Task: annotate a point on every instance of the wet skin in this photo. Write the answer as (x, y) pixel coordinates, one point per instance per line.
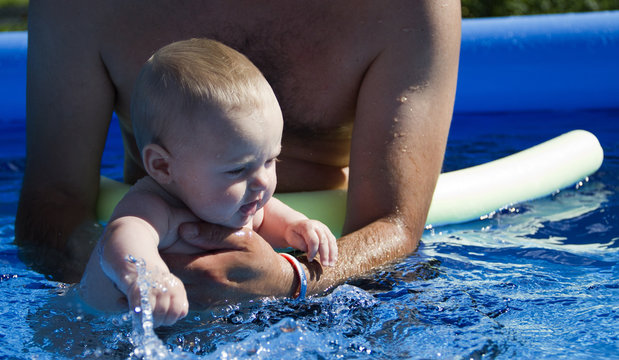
(366, 89)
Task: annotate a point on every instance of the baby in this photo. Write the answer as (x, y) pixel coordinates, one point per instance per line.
(209, 129)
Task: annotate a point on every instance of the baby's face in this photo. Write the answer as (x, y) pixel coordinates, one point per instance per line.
(225, 172)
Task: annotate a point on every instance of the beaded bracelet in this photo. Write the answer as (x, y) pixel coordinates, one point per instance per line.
(299, 270)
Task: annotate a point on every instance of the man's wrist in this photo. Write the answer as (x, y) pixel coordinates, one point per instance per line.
(300, 277)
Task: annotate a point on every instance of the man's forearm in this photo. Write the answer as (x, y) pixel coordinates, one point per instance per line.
(360, 252)
(241, 265)
(54, 239)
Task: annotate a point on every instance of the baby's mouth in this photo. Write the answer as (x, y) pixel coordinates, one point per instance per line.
(250, 208)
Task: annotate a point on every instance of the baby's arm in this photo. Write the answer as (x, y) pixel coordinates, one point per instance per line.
(138, 225)
(283, 226)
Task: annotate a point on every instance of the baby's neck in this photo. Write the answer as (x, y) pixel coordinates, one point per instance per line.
(149, 184)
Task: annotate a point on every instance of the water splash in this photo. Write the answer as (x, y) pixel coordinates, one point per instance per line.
(315, 328)
(147, 344)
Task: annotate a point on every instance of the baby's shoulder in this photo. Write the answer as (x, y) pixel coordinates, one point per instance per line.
(149, 195)
(143, 198)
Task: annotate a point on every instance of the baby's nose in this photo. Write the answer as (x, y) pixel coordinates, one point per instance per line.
(260, 180)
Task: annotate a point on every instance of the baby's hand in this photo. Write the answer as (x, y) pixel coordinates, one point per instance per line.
(313, 237)
(168, 299)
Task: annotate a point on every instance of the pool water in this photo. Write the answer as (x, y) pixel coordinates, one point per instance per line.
(537, 280)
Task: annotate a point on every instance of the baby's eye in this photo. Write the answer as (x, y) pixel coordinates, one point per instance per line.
(235, 172)
(272, 161)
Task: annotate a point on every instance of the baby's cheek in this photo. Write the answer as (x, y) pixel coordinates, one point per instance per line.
(235, 193)
(272, 185)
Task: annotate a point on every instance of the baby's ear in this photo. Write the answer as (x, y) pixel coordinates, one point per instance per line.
(157, 163)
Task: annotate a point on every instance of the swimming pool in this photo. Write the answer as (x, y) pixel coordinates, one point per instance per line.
(537, 280)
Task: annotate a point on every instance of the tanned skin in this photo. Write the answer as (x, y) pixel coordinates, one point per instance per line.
(366, 88)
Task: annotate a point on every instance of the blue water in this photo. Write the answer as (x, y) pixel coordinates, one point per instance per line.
(538, 280)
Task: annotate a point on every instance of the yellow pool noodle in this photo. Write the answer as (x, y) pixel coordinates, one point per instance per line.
(461, 195)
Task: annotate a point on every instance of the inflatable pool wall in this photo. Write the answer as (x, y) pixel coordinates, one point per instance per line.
(542, 62)
(520, 63)
(13, 50)
(548, 62)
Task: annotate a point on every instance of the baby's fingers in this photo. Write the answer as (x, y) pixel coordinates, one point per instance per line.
(303, 235)
(171, 302)
(313, 244)
(328, 248)
(170, 312)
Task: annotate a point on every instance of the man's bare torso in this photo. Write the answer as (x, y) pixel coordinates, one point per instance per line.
(315, 65)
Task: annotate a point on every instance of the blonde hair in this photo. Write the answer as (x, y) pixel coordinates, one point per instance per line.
(189, 76)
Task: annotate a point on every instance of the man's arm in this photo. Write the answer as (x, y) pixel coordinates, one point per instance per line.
(403, 114)
(69, 105)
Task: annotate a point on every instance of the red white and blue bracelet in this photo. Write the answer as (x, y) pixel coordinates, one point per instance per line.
(299, 270)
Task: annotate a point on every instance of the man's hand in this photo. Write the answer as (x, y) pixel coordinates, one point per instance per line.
(237, 265)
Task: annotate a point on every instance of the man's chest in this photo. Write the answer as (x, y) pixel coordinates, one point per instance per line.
(314, 66)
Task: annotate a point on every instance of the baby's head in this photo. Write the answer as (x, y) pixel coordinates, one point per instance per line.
(209, 128)
(192, 77)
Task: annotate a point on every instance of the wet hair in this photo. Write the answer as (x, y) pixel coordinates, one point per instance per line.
(189, 76)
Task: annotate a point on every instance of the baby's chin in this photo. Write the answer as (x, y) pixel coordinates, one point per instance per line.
(235, 221)
(238, 221)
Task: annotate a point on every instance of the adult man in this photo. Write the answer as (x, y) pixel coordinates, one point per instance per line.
(366, 89)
